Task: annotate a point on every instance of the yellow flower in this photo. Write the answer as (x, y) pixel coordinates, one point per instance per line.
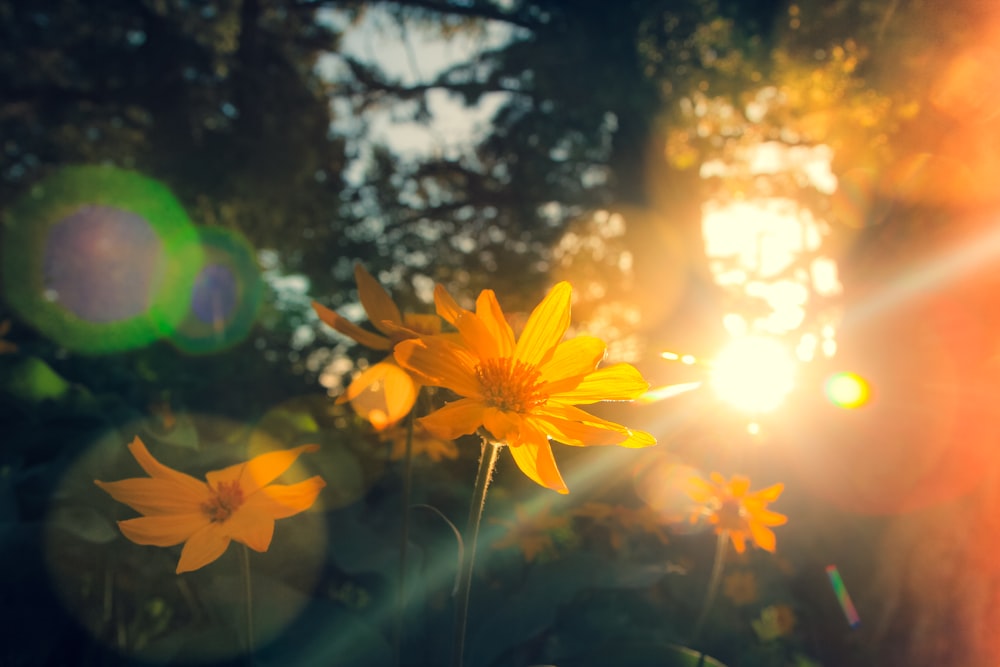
(524, 391)
(235, 503)
(740, 587)
(730, 507)
(774, 622)
(384, 393)
(531, 533)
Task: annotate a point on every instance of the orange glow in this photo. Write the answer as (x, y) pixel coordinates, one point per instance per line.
(753, 374)
(847, 390)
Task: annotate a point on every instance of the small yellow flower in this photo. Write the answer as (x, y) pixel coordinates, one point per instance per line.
(730, 507)
(531, 533)
(384, 393)
(235, 503)
(774, 622)
(740, 588)
(523, 391)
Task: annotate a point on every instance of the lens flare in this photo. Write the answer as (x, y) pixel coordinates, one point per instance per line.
(225, 297)
(753, 374)
(847, 390)
(99, 259)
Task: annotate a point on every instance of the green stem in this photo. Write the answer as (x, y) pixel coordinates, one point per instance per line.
(245, 570)
(487, 462)
(404, 538)
(713, 583)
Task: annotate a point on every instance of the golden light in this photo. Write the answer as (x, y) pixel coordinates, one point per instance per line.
(847, 390)
(753, 374)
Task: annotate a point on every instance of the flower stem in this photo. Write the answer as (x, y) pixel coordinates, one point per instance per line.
(487, 462)
(721, 543)
(404, 538)
(245, 570)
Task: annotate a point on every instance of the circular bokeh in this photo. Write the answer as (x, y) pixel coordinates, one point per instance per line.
(83, 545)
(99, 259)
(926, 430)
(225, 295)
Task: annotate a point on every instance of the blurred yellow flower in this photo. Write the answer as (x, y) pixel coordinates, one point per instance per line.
(730, 507)
(383, 393)
(523, 391)
(740, 588)
(235, 503)
(530, 532)
(774, 622)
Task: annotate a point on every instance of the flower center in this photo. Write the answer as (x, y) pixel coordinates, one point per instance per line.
(227, 499)
(510, 385)
(731, 515)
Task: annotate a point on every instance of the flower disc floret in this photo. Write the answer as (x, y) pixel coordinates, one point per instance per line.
(226, 499)
(510, 385)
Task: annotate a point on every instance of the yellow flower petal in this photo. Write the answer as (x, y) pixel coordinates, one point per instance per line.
(700, 490)
(536, 461)
(154, 496)
(590, 433)
(767, 517)
(769, 494)
(163, 531)
(251, 528)
(763, 536)
(638, 440)
(561, 411)
(503, 426)
(546, 326)
(477, 336)
(383, 394)
(461, 417)
(571, 361)
(376, 301)
(618, 382)
(280, 501)
(350, 329)
(445, 306)
(260, 470)
(739, 541)
(203, 547)
(421, 324)
(439, 363)
(738, 486)
(489, 313)
(154, 468)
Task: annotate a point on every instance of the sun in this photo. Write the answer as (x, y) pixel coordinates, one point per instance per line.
(753, 374)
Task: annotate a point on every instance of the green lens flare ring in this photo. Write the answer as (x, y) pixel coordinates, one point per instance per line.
(99, 259)
(225, 297)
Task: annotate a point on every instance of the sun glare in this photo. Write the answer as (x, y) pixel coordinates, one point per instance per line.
(753, 374)
(847, 390)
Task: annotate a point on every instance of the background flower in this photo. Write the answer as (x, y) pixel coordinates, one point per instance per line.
(235, 503)
(731, 508)
(383, 393)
